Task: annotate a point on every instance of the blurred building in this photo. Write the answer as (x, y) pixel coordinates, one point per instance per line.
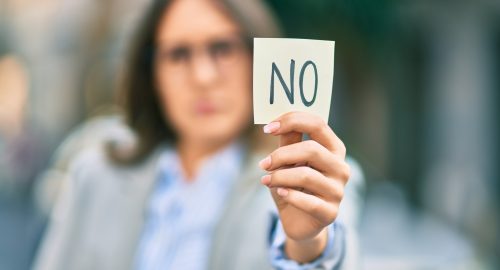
(59, 61)
(416, 98)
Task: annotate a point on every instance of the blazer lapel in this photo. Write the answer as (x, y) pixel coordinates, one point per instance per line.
(140, 182)
(226, 232)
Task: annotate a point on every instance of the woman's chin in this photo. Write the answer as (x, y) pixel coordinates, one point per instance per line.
(214, 129)
(212, 135)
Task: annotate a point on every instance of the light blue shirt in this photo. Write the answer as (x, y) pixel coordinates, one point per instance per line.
(182, 215)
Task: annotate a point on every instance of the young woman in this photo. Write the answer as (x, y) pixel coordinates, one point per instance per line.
(188, 189)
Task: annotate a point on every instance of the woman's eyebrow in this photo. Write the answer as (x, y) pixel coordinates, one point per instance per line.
(168, 45)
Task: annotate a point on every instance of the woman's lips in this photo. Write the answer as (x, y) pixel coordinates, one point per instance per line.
(205, 108)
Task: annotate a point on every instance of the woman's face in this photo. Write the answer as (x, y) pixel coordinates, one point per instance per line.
(203, 72)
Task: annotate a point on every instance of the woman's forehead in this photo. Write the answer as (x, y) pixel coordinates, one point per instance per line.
(194, 20)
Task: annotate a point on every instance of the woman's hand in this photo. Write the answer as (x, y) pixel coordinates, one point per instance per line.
(307, 180)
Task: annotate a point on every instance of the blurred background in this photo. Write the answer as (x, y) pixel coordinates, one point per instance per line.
(416, 99)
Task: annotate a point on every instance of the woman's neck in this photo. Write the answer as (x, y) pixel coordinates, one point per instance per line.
(192, 153)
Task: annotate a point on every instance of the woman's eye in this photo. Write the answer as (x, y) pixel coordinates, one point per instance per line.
(178, 55)
(221, 48)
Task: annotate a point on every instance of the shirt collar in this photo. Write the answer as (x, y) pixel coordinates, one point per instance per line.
(218, 167)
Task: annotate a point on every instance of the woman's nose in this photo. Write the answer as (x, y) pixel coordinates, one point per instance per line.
(204, 70)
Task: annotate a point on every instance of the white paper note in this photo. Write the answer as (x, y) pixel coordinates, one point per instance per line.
(276, 92)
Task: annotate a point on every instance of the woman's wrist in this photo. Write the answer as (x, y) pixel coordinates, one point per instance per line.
(305, 251)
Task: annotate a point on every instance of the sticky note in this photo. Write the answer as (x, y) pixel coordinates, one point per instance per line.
(291, 75)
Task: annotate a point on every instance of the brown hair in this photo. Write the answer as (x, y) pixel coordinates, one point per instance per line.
(138, 98)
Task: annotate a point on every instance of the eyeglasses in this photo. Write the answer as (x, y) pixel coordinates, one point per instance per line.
(223, 52)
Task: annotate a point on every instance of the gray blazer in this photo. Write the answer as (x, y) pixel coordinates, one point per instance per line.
(99, 216)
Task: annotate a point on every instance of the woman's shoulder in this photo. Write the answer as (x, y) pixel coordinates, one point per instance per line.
(95, 133)
(82, 157)
(86, 147)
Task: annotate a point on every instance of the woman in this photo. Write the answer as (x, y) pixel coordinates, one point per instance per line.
(185, 190)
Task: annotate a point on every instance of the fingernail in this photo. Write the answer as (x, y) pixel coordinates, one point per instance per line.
(265, 163)
(271, 127)
(266, 179)
(282, 191)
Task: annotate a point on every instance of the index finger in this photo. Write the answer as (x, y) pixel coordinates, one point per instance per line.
(313, 125)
